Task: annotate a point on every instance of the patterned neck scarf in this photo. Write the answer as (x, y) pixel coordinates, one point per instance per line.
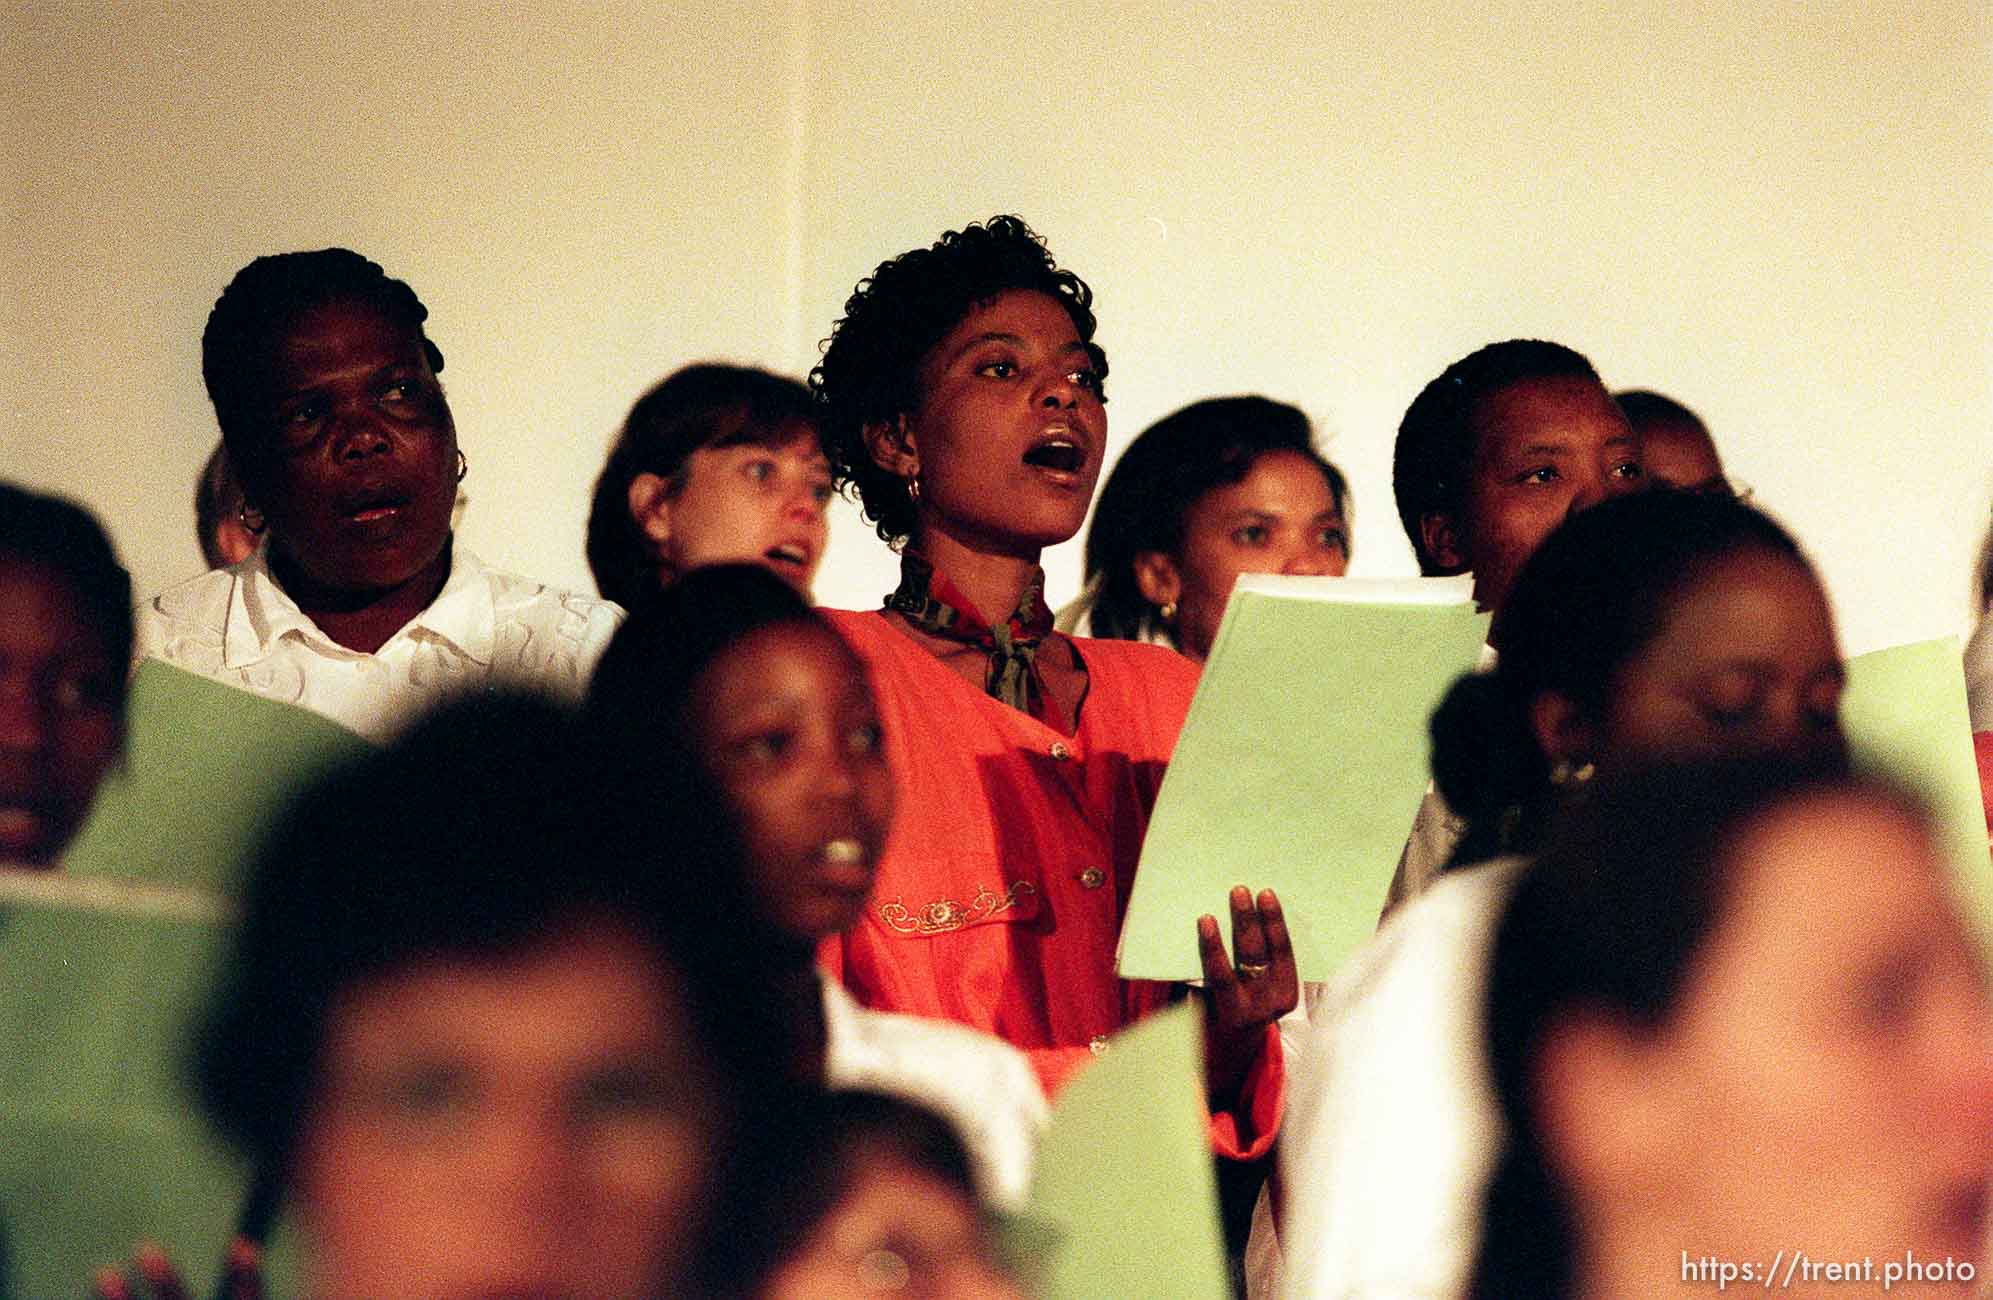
(937, 606)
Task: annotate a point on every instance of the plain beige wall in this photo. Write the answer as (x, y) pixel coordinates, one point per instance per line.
(1778, 213)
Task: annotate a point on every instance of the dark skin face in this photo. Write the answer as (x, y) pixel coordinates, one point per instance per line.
(1544, 449)
(360, 475)
(61, 712)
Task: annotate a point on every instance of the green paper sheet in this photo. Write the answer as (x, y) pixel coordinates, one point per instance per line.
(100, 1142)
(206, 765)
(1124, 1189)
(1905, 715)
(1301, 764)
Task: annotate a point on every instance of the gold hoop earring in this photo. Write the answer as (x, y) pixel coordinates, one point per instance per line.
(252, 519)
(463, 465)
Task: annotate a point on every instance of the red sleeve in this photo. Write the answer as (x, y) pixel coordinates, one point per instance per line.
(1247, 1131)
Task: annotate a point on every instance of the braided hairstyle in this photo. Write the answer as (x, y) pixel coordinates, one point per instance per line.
(263, 301)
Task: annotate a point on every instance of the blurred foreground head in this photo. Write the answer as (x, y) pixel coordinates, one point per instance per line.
(480, 1018)
(1735, 1011)
(65, 646)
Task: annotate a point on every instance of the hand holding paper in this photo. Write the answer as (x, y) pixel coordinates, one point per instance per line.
(1246, 993)
(1301, 764)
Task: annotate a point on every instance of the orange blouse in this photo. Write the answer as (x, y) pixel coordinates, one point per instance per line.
(1000, 894)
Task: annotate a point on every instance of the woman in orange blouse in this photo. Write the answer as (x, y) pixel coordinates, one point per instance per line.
(962, 398)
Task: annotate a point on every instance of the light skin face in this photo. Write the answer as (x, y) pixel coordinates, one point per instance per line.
(1544, 449)
(60, 719)
(750, 503)
(1826, 1081)
(898, 1230)
(1745, 662)
(361, 477)
(1009, 433)
(785, 722)
(536, 1123)
(1280, 518)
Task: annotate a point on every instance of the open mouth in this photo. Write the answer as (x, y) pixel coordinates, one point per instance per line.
(788, 555)
(1059, 453)
(373, 505)
(845, 864)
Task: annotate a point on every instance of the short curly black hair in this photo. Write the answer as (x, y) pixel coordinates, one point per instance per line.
(1435, 445)
(263, 300)
(1163, 473)
(870, 370)
(700, 406)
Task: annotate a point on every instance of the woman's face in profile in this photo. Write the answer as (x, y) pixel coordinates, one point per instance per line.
(359, 477)
(537, 1123)
(1828, 1070)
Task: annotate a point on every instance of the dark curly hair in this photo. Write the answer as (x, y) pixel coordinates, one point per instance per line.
(1435, 446)
(263, 300)
(870, 371)
(697, 407)
(1597, 590)
(1163, 473)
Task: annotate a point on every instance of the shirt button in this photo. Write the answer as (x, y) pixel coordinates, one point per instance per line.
(1097, 1044)
(1061, 750)
(1093, 877)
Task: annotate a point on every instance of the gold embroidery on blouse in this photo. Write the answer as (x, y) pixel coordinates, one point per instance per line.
(946, 914)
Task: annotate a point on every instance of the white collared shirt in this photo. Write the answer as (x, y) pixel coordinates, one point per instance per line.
(982, 1085)
(485, 629)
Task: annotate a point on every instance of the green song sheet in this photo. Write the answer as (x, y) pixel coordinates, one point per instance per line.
(1302, 763)
(1905, 715)
(205, 767)
(1125, 1201)
(100, 1142)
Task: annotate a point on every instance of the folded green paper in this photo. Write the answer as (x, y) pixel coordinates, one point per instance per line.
(1905, 715)
(1125, 1202)
(1301, 764)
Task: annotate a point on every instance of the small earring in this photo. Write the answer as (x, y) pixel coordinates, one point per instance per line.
(1167, 611)
(251, 518)
(913, 489)
(463, 465)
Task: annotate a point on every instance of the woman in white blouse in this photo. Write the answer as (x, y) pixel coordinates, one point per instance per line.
(357, 605)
